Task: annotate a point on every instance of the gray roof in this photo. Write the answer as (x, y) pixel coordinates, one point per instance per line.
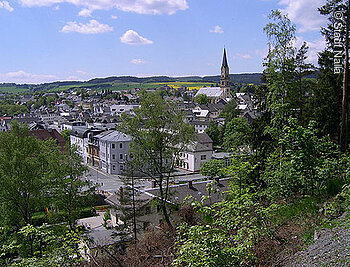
(80, 131)
(211, 91)
(116, 136)
(197, 147)
(203, 138)
(199, 122)
(198, 189)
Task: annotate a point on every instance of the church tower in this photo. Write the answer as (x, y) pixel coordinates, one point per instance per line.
(225, 76)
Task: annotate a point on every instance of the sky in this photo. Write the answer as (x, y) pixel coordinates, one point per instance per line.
(50, 40)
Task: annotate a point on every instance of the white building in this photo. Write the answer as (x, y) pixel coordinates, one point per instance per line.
(197, 153)
(114, 149)
(79, 139)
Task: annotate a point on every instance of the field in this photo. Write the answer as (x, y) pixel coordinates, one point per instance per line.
(114, 86)
(12, 89)
(117, 86)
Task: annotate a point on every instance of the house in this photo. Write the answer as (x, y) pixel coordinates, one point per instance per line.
(44, 135)
(93, 157)
(200, 126)
(122, 108)
(197, 153)
(148, 211)
(79, 139)
(114, 149)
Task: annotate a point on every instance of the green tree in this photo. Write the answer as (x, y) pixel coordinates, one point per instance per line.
(215, 132)
(237, 135)
(202, 99)
(159, 134)
(212, 168)
(337, 37)
(25, 173)
(70, 192)
(230, 111)
(280, 69)
(302, 163)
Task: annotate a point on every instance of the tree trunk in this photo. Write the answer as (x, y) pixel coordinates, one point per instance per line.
(344, 122)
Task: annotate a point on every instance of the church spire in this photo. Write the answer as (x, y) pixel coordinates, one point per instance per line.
(224, 60)
(225, 77)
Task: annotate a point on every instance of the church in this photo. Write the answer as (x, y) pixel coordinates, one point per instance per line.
(216, 94)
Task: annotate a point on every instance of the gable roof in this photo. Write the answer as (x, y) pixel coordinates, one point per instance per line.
(211, 92)
(116, 136)
(198, 189)
(49, 134)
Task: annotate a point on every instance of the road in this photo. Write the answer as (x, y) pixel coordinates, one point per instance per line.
(110, 183)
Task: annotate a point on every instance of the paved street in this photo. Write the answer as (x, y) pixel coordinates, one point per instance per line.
(110, 183)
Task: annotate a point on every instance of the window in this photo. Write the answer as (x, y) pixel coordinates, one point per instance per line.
(203, 157)
(113, 146)
(113, 156)
(121, 145)
(120, 156)
(113, 167)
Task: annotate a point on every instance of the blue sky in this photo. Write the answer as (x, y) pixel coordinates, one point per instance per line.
(48, 40)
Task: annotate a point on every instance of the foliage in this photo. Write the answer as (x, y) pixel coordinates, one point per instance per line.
(66, 135)
(237, 135)
(25, 174)
(215, 132)
(212, 168)
(202, 99)
(159, 134)
(302, 163)
(230, 111)
(43, 246)
(11, 109)
(71, 193)
(228, 234)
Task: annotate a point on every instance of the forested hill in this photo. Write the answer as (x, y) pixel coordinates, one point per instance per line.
(253, 78)
(126, 82)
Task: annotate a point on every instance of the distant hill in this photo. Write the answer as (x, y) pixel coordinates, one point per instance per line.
(254, 78)
(126, 82)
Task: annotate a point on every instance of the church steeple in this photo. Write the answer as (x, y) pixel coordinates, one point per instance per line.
(225, 76)
(224, 60)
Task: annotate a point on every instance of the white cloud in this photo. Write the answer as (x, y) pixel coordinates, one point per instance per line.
(133, 38)
(25, 77)
(114, 17)
(155, 7)
(262, 52)
(314, 48)
(56, 8)
(92, 27)
(216, 29)
(244, 56)
(6, 5)
(304, 13)
(85, 13)
(138, 61)
(81, 72)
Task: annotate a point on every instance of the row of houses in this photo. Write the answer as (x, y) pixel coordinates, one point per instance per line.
(109, 150)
